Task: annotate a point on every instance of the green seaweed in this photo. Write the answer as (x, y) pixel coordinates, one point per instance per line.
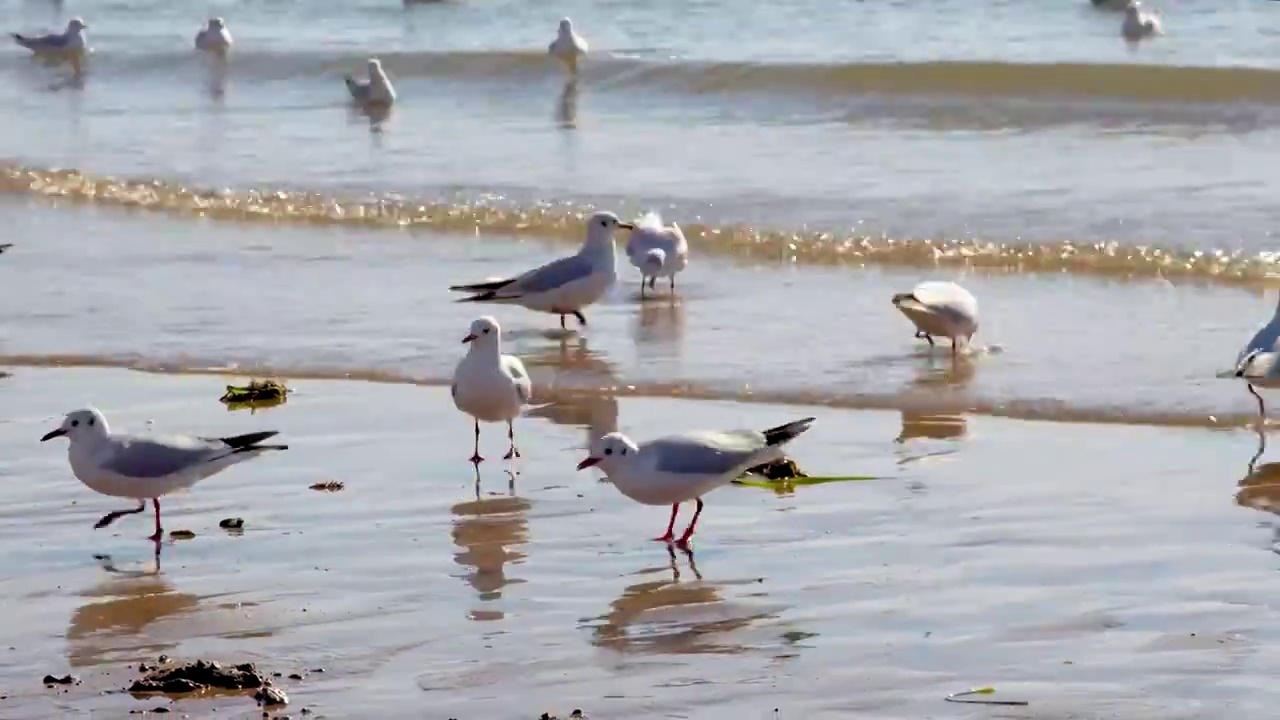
(785, 476)
(257, 394)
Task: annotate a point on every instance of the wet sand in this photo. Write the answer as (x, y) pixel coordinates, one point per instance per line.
(1094, 571)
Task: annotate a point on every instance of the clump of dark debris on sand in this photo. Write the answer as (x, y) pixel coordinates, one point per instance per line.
(198, 675)
(64, 680)
(575, 715)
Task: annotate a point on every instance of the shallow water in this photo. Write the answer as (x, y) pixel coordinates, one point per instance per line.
(344, 302)
(857, 121)
(974, 560)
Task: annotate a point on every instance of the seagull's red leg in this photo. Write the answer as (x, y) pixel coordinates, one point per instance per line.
(668, 536)
(159, 532)
(688, 533)
(475, 457)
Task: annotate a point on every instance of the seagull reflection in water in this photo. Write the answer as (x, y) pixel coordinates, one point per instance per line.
(489, 530)
(674, 616)
(567, 106)
(114, 620)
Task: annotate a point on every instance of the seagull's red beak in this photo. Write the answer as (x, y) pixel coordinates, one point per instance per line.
(588, 463)
(469, 338)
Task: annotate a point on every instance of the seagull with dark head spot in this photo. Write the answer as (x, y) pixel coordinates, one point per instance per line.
(147, 467)
(565, 286)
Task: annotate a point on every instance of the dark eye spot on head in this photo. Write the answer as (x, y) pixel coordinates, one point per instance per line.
(74, 423)
(608, 451)
(623, 451)
(486, 331)
(90, 422)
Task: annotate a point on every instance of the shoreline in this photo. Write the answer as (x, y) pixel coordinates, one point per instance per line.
(1025, 411)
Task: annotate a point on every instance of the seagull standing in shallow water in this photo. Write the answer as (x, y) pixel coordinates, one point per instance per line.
(488, 385)
(657, 250)
(565, 286)
(214, 38)
(377, 90)
(1138, 24)
(1257, 363)
(940, 308)
(70, 44)
(679, 468)
(147, 467)
(568, 46)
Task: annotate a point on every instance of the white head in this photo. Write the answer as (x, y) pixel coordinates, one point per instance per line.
(484, 333)
(1133, 8)
(375, 66)
(566, 26)
(80, 425)
(600, 227)
(609, 452)
(216, 23)
(75, 24)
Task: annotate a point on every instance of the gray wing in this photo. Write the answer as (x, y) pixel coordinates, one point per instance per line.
(548, 277)
(158, 457)
(706, 453)
(515, 368)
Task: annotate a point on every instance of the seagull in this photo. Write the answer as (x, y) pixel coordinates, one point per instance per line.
(488, 385)
(1257, 362)
(214, 38)
(70, 43)
(1138, 24)
(940, 308)
(147, 467)
(656, 250)
(678, 468)
(377, 90)
(565, 286)
(568, 46)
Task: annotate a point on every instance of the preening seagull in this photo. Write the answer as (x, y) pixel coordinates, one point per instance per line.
(657, 250)
(941, 308)
(1138, 23)
(377, 90)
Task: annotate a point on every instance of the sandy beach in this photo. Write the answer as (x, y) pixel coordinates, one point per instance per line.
(1088, 570)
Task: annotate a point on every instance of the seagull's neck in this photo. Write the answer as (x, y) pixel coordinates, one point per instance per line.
(599, 247)
(487, 351)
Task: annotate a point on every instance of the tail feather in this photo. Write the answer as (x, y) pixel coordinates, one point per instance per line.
(486, 286)
(249, 440)
(785, 433)
(21, 40)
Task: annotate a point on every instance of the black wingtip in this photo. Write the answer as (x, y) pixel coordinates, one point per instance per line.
(785, 433)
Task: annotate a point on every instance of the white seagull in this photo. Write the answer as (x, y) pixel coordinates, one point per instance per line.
(70, 44)
(1257, 363)
(146, 467)
(940, 308)
(488, 385)
(565, 286)
(214, 38)
(1137, 23)
(377, 90)
(678, 468)
(568, 46)
(657, 250)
